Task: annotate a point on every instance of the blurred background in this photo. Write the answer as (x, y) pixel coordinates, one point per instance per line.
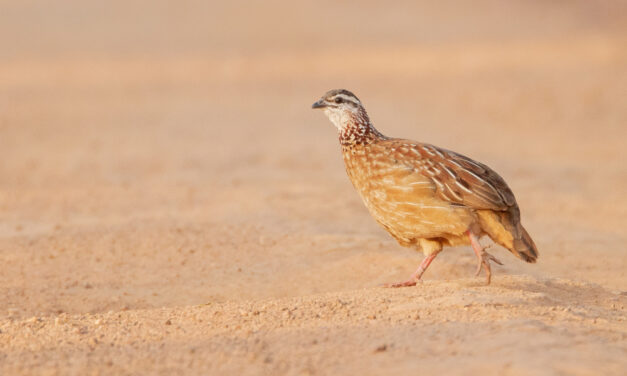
(158, 153)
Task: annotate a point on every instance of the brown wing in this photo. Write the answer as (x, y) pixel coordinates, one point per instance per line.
(458, 179)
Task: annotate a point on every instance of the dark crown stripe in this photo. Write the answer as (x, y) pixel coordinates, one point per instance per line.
(347, 95)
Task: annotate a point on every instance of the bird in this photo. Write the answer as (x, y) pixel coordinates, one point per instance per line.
(426, 197)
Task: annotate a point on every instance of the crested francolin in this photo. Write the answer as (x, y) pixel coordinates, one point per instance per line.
(424, 196)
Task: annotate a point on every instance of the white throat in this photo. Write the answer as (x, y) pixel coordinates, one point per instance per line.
(339, 117)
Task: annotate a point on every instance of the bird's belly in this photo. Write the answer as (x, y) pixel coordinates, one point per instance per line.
(407, 206)
(417, 217)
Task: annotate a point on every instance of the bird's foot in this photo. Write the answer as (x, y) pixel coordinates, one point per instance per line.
(484, 261)
(410, 282)
(414, 278)
(483, 257)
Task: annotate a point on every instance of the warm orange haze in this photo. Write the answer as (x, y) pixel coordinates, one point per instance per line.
(171, 204)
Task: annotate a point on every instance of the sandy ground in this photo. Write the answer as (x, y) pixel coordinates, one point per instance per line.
(170, 204)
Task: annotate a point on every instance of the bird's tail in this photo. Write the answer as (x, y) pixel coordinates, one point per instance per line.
(505, 229)
(525, 247)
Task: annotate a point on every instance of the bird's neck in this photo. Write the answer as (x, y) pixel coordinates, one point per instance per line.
(357, 129)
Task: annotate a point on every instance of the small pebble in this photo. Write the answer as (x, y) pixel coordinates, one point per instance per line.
(381, 348)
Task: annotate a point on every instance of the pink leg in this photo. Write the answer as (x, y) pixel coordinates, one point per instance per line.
(483, 256)
(417, 274)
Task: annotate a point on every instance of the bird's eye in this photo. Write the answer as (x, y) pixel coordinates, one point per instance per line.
(338, 100)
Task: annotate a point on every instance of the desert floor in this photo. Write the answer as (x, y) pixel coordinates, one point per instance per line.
(169, 203)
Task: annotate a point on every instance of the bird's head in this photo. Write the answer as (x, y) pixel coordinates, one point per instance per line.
(341, 106)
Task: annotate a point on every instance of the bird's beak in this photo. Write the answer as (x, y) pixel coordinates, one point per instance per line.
(319, 104)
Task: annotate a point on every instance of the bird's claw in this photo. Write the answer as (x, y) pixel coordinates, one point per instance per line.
(489, 257)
